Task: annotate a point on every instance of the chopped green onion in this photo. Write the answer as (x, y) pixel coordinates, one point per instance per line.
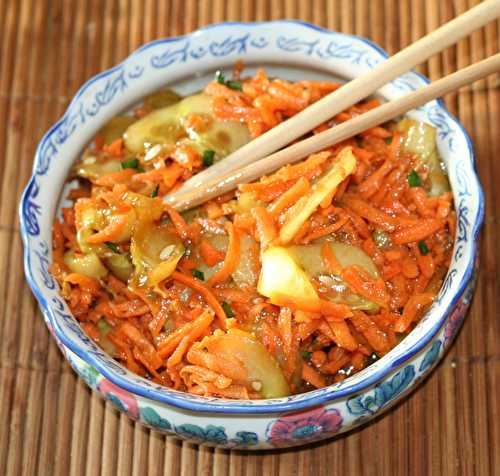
(112, 247)
(236, 85)
(423, 247)
(388, 140)
(154, 193)
(208, 157)
(414, 179)
(130, 164)
(219, 77)
(306, 355)
(141, 170)
(231, 84)
(198, 274)
(227, 309)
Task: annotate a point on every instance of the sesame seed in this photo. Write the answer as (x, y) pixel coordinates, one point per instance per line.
(257, 385)
(167, 252)
(153, 152)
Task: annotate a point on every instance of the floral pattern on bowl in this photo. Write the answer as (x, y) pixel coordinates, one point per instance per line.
(259, 424)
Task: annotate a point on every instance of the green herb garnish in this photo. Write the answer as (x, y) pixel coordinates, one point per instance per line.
(236, 85)
(154, 193)
(112, 247)
(227, 309)
(306, 355)
(198, 274)
(219, 77)
(130, 164)
(423, 247)
(414, 179)
(231, 84)
(208, 157)
(388, 140)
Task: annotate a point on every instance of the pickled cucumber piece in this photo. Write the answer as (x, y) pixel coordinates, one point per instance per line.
(263, 370)
(167, 126)
(155, 252)
(87, 264)
(420, 139)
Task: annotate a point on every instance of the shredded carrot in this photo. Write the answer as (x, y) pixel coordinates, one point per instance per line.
(266, 228)
(169, 345)
(312, 376)
(115, 148)
(329, 257)
(86, 283)
(180, 224)
(418, 232)
(372, 214)
(210, 254)
(205, 292)
(152, 359)
(329, 309)
(110, 179)
(370, 186)
(289, 197)
(398, 241)
(337, 359)
(375, 336)
(342, 335)
(377, 132)
(111, 232)
(199, 327)
(364, 285)
(414, 304)
(426, 264)
(325, 230)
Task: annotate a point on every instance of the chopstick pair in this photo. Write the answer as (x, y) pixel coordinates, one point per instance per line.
(244, 164)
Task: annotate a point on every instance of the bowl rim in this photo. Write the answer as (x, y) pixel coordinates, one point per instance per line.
(218, 405)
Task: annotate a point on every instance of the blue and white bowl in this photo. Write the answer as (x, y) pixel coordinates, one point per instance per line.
(292, 50)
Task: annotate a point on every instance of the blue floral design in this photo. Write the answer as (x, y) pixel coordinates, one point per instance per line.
(112, 87)
(31, 209)
(209, 434)
(294, 45)
(369, 403)
(229, 45)
(430, 357)
(116, 402)
(336, 50)
(43, 257)
(440, 121)
(447, 283)
(89, 374)
(245, 439)
(152, 418)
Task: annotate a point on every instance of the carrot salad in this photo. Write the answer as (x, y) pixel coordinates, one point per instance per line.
(288, 284)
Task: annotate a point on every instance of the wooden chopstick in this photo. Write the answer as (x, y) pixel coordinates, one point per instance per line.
(183, 200)
(351, 93)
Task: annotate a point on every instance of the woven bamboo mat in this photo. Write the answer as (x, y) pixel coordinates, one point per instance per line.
(52, 424)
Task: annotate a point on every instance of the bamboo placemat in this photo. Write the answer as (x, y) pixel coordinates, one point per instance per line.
(50, 423)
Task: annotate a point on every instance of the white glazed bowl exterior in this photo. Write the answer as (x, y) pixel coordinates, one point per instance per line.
(263, 424)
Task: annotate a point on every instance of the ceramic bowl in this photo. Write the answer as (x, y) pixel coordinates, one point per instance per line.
(292, 50)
